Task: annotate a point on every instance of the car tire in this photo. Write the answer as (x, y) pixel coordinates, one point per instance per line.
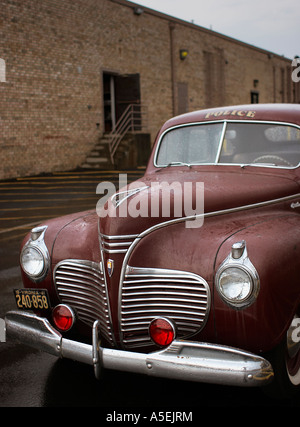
(285, 360)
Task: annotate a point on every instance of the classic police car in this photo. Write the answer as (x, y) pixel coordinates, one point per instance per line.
(192, 272)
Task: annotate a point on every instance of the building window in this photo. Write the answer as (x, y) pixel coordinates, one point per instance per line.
(254, 97)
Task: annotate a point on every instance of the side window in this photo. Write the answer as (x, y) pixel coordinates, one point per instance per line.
(283, 134)
(284, 142)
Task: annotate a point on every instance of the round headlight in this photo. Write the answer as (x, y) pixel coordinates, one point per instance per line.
(235, 284)
(33, 261)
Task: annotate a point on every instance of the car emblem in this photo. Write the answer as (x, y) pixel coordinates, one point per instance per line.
(110, 267)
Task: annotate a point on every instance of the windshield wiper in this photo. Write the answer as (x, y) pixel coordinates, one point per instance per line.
(177, 164)
(257, 164)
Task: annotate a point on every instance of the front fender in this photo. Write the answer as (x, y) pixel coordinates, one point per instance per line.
(70, 236)
(273, 247)
(78, 239)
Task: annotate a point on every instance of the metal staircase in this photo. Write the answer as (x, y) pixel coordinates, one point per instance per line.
(134, 120)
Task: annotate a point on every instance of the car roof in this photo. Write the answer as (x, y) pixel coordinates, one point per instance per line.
(286, 113)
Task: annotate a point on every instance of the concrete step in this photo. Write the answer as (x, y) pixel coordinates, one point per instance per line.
(98, 153)
(99, 156)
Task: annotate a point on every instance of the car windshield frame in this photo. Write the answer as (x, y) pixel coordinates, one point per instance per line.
(216, 162)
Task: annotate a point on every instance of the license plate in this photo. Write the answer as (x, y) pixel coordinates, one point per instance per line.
(30, 299)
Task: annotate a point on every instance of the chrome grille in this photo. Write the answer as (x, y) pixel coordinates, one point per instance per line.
(81, 285)
(116, 244)
(149, 293)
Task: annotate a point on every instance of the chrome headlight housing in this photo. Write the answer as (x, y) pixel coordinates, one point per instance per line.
(237, 280)
(34, 258)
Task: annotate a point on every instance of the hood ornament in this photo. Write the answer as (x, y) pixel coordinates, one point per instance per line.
(120, 197)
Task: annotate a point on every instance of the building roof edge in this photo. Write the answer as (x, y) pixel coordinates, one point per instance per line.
(173, 19)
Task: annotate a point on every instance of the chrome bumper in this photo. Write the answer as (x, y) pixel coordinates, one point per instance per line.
(183, 360)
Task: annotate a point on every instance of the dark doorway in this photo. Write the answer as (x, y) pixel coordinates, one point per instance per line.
(119, 91)
(254, 97)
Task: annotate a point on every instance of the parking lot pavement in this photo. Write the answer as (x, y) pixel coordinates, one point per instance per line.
(25, 202)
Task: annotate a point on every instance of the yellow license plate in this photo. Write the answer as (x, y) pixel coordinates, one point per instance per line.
(30, 299)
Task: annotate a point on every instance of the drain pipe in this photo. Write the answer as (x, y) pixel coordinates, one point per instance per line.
(173, 68)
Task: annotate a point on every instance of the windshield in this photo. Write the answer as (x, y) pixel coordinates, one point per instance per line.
(267, 144)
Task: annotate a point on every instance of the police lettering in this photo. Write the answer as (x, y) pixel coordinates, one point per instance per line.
(238, 113)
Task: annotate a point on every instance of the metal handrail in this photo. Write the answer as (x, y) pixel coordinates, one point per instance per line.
(134, 119)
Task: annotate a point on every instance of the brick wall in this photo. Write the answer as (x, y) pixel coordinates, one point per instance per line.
(51, 106)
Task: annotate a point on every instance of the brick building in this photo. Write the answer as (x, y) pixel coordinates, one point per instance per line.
(70, 68)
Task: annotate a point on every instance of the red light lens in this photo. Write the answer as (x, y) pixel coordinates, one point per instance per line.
(162, 332)
(63, 317)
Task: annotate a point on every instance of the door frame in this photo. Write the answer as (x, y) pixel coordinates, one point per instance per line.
(110, 98)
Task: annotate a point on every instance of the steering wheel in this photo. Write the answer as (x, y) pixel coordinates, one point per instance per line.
(272, 159)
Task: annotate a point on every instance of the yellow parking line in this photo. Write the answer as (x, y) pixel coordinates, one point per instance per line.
(33, 208)
(21, 217)
(104, 172)
(18, 236)
(47, 188)
(18, 227)
(58, 178)
(60, 183)
(47, 200)
(36, 193)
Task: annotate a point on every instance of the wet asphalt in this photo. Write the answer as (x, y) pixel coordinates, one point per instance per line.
(29, 378)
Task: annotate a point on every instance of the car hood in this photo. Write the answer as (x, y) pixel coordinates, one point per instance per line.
(173, 194)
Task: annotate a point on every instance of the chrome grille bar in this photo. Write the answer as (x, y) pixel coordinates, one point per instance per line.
(149, 293)
(116, 244)
(81, 284)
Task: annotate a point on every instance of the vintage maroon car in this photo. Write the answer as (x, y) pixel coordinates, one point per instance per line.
(192, 272)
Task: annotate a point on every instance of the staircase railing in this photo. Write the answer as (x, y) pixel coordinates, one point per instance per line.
(134, 119)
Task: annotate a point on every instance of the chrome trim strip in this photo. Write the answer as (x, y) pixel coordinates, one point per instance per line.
(114, 251)
(105, 281)
(217, 213)
(114, 245)
(266, 122)
(119, 237)
(137, 237)
(108, 244)
(183, 219)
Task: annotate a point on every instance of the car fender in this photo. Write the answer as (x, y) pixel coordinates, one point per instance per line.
(74, 235)
(273, 247)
